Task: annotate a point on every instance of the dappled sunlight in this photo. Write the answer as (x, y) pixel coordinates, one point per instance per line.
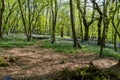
(105, 63)
(34, 60)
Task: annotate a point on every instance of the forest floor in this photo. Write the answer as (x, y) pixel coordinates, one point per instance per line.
(42, 63)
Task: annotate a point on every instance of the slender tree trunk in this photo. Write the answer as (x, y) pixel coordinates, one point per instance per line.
(86, 34)
(102, 41)
(68, 31)
(104, 27)
(62, 31)
(76, 44)
(1, 17)
(1, 25)
(23, 18)
(99, 30)
(29, 21)
(81, 29)
(54, 19)
(46, 23)
(115, 40)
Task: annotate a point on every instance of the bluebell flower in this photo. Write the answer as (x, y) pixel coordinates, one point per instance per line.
(8, 78)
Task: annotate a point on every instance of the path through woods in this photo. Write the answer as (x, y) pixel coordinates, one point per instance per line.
(42, 63)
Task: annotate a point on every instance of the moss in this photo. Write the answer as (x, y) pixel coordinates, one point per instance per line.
(63, 61)
(86, 73)
(12, 59)
(4, 64)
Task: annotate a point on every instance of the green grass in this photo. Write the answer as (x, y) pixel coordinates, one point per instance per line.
(15, 40)
(68, 48)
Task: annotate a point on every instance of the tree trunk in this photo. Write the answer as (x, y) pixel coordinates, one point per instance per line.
(54, 19)
(81, 29)
(105, 22)
(68, 31)
(62, 31)
(28, 37)
(0, 25)
(29, 21)
(86, 34)
(23, 18)
(115, 37)
(76, 44)
(1, 16)
(99, 30)
(102, 41)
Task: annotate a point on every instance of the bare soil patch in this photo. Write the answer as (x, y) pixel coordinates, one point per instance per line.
(41, 63)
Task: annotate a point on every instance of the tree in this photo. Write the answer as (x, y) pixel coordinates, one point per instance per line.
(85, 20)
(76, 44)
(28, 16)
(1, 16)
(105, 27)
(54, 10)
(96, 7)
(104, 17)
(11, 9)
(114, 12)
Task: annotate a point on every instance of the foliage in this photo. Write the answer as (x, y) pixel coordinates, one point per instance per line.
(86, 73)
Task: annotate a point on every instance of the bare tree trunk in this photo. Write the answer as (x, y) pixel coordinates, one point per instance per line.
(54, 19)
(29, 21)
(102, 41)
(1, 16)
(81, 29)
(46, 23)
(68, 31)
(62, 31)
(23, 18)
(86, 34)
(115, 41)
(76, 44)
(105, 22)
(99, 30)
(1, 24)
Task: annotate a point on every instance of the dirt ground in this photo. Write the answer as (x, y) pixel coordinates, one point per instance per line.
(41, 63)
